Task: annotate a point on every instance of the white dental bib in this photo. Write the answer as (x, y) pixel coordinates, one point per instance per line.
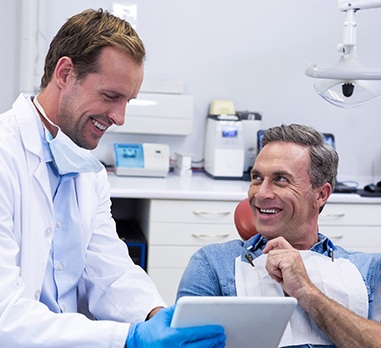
(339, 280)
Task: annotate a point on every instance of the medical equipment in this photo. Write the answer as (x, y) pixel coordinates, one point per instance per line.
(160, 108)
(348, 83)
(224, 145)
(251, 124)
(141, 159)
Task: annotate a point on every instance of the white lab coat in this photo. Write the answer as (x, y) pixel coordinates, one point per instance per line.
(118, 292)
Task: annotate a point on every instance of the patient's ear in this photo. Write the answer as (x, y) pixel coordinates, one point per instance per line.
(323, 194)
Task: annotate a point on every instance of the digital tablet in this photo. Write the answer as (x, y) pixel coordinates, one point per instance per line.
(249, 322)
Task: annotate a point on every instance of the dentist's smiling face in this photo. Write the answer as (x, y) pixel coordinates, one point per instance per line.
(89, 106)
(281, 195)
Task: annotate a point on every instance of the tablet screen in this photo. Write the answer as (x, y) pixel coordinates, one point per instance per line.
(249, 322)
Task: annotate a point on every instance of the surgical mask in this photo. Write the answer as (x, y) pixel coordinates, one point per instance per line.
(68, 157)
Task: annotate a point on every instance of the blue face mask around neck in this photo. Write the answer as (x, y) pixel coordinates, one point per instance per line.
(68, 157)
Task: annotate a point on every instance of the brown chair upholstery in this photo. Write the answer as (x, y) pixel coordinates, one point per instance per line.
(244, 220)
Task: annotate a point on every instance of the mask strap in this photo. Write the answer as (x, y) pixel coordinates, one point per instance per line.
(42, 111)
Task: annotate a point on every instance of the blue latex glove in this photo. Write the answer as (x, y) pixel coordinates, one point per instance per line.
(157, 333)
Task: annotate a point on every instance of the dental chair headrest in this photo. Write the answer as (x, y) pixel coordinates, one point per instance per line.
(244, 220)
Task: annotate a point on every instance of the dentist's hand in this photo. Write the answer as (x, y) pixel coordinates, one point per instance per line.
(157, 333)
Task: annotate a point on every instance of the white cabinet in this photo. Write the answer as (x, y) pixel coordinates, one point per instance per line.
(177, 229)
(355, 227)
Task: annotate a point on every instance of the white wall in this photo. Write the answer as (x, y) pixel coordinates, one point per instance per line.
(253, 52)
(9, 55)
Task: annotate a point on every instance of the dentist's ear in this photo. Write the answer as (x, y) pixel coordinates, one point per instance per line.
(63, 71)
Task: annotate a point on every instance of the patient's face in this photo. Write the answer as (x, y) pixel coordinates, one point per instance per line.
(281, 195)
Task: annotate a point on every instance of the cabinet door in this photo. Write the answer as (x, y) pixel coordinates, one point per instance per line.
(167, 281)
(355, 227)
(176, 233)
(355, 238)
(169, 256)
(350, 215)
(177, 229)
(192, 211)
(166, 265)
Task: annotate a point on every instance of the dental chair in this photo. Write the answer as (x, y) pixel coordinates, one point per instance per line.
(244, 220)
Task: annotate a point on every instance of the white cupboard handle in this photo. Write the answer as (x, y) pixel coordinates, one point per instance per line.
(336, 237)
(206, 213)
(338, 215)
(210, 236)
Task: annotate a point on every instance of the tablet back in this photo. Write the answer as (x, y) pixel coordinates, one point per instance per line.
(249, 322)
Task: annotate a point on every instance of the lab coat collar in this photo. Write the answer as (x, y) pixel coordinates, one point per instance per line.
(27, 119)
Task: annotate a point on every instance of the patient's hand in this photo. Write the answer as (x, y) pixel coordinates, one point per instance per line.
(277, 243)
(286, 266)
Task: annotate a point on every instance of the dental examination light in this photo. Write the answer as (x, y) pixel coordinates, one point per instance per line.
(348, 83)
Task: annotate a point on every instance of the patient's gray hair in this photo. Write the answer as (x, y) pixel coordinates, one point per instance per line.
(323, 157)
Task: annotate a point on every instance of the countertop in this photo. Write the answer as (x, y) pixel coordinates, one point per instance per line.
(200, 187)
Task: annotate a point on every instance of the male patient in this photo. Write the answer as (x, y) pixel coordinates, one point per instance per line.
(292, 179)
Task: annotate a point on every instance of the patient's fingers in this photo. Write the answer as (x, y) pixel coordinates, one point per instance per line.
(277, 243)
(286, 267)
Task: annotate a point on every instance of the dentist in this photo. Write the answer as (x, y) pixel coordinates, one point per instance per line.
(66, 278)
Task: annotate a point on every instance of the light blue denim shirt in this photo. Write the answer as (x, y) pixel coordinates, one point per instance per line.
(211, 270)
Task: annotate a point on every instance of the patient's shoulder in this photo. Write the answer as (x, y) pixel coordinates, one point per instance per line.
(226, 250)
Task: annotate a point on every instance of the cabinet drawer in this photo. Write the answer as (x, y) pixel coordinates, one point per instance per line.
(354, 238)
(192, 211)
(169, 256)
(191, 233)
(350, 214)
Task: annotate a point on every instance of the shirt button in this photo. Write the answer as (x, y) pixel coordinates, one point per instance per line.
(58, 224)
(48, 231)
(59, 267)
(37, 295)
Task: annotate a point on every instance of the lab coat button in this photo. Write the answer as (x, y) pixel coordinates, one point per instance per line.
(37, 295)
(48, 231)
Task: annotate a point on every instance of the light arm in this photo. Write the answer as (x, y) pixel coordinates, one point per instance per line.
(345, 5)
(348, 83)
